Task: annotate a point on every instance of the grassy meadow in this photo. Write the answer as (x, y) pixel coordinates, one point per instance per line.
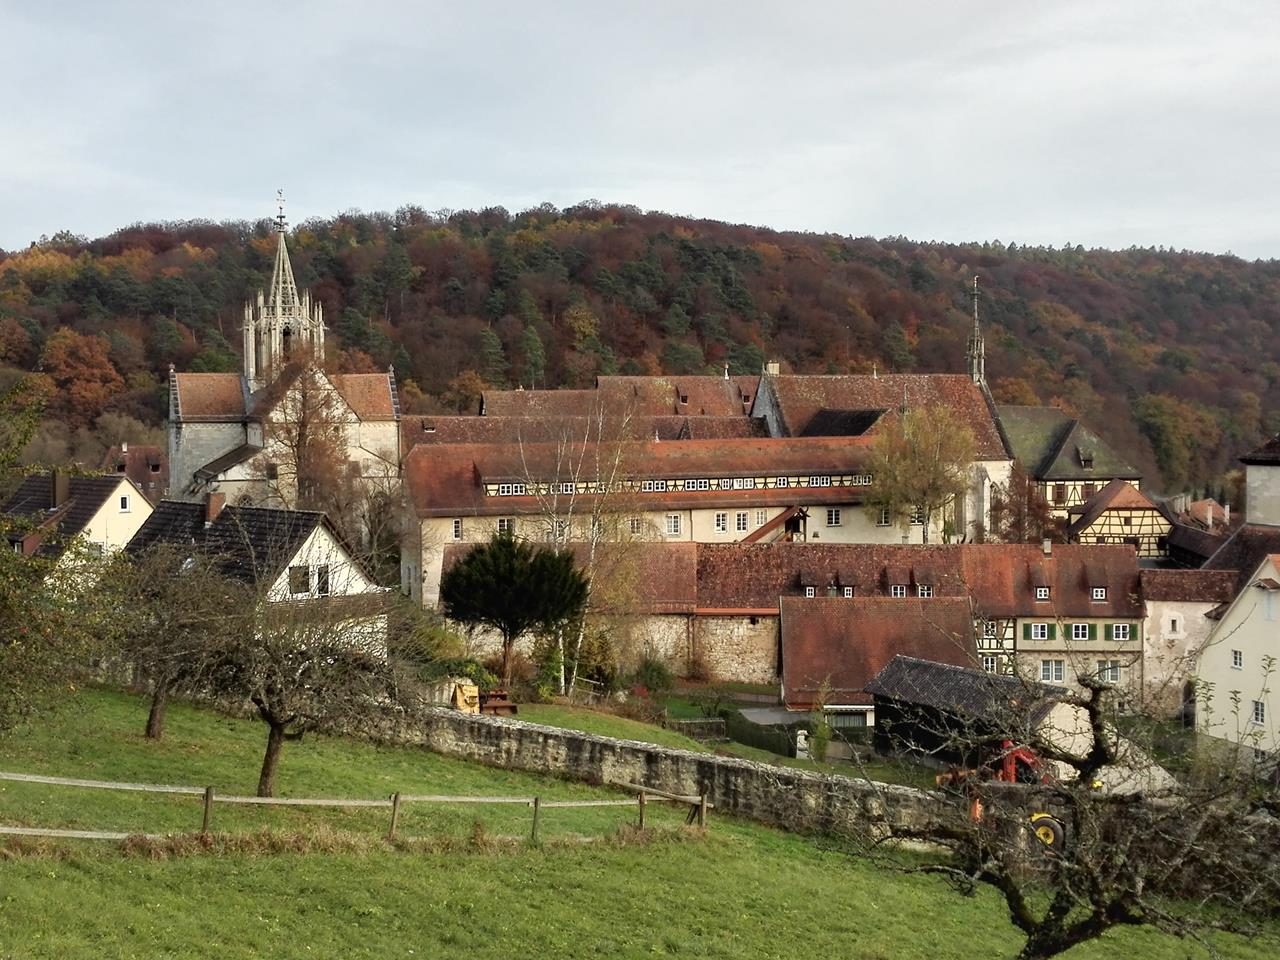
(738, 890)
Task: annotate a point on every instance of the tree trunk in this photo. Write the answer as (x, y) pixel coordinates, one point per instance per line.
(271, 760)
(159, 704)
(507, 644)
(924, 527)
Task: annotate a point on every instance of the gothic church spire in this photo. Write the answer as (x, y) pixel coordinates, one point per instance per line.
(976, 354)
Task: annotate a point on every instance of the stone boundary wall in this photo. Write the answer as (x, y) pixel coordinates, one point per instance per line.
(778, 796)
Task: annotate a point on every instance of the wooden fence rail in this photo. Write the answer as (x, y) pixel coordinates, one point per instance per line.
(698, 804)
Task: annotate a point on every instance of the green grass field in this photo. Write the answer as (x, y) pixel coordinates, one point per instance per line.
(737, 891)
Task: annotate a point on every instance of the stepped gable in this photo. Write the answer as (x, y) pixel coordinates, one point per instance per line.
(1188, 586)
(451, 483)
(961, 689)
(1245, 550)
(210, 396)
(834, 646)
(808, 404)
(1266, 455)
(59, 523)
(1053, 446)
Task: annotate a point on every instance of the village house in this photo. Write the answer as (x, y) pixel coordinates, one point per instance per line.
(147, 466)
(289, 556)
(51, 511)
(1121, 513)
(237, 433)
(1182, 607)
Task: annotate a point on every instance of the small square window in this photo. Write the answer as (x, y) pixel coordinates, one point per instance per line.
(809, 591)
(1052, 670)
(506, 526)
(1109, 671)
(1099, 593)
(1127, 521)
(924, 590)
(833, 516)
(457, 529)
(299, 579)
(989, 629)
(1042, 593)
(1237, 659)
(848, 592)
(1120, 631)
(740, 522)
(272, 471)
(898, 590)
(1039, 631)
(1259, 712)
(637, 525)
(722, 523)
(1079, 631)
(990, 663)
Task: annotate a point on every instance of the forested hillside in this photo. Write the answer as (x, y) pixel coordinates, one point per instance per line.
(1172, 356)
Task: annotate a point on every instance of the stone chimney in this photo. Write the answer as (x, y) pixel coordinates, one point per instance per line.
(124, 447)
(213, 504)
(1226, 514)
(59, 488)
(1047, 546)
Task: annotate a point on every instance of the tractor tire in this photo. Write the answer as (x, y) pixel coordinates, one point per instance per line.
(1049, 831)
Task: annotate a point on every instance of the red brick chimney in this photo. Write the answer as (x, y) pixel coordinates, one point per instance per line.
(213, 504)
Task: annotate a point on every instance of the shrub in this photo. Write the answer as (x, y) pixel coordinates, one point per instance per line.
(654, 676)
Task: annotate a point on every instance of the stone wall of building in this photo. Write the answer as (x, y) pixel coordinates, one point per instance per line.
(744, 649)
(778, 796)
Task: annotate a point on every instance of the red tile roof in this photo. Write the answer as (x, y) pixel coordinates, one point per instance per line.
(1001, 578)
(370, 395)
(1188, 586)
(638, 396)
(1116, 495)
(448, 480)
(147, 466)
(495, 429)
(836, 645)
(812, 400)
(210, 396)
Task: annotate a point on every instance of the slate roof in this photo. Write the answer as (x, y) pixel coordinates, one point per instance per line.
(215, 468)
(1266, 455)
(1050, 444)
(1188, 586)
(962, 690)
(57, 526)
(448, 481)
(253, 544)
(1244, 550)
(840, 644)
(1000, 578)
(807, 404)
(1192, 544)
(1116, 495)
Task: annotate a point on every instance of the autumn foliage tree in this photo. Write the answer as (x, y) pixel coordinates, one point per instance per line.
(83, 374)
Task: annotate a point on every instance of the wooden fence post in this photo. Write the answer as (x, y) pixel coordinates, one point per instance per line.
(208, 811)
(642, 802)
(537, 812)
(702, 810)
(395, 816)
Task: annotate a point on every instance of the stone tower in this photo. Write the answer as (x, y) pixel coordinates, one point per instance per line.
(976, 354)
(281, 325)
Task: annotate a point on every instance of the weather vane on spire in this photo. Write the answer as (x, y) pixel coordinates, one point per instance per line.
(280, 208)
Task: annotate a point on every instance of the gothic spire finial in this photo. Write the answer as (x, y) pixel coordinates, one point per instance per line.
(977, 351)
(280, 221)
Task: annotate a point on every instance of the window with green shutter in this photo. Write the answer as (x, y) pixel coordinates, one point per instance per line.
(1093, 631)
(1026, 631)
(1053, 631)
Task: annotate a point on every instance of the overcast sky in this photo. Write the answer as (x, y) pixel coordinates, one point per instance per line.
(1104, 123)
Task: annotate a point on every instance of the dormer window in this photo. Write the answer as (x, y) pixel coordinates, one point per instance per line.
(1098, 593)
(848, 592)
(898, 590)
(684, 398)
(1086, 457)
(924, 590)
(1042, 593)
(809, 592)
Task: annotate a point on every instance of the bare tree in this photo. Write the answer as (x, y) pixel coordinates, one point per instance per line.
(1019, 511)
(1071, 819)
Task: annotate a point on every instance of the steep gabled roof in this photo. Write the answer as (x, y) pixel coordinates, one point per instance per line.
(837, 645)
(210, 396)
(1116, 495)
(176, 522)
(1266, 455)
(959, 689)
(371, 396)
(147, 466)
(33, 501)
(1053, 446)
(1245, 550)
(853, 402)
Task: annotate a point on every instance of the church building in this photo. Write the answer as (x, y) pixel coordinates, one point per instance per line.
(242, 434)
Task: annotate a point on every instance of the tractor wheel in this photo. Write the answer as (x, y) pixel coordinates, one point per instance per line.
(1049, 831)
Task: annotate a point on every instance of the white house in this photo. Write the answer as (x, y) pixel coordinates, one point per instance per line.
(49, 511)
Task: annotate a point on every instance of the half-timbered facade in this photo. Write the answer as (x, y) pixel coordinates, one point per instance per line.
(1120, 513)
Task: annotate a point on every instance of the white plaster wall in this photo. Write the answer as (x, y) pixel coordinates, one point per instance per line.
(113, 527)
(1262, 494)
(1172, 633)
(346, 578)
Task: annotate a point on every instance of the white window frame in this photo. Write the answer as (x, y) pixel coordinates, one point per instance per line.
(1052, 671)
(820, 481)
(917, 517)
(1079, 631)
(833, 517)
(1099, 594)
(1237, 659)
(1259, 714)
(653, 486)
(762, 517)
(1042, 593)
(457, 528)
(741, 520)
(782, 482)
(884, 520)
(1120, 631)
(848, 592)
(637, 525)
(1039, 631)
(673, 525)
(989, 629)
(898, 591)
(722, 523)
(506, 525)
(810, 592)
(990, 663)
(1109, 671)
(924, 590)
(125, 503)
